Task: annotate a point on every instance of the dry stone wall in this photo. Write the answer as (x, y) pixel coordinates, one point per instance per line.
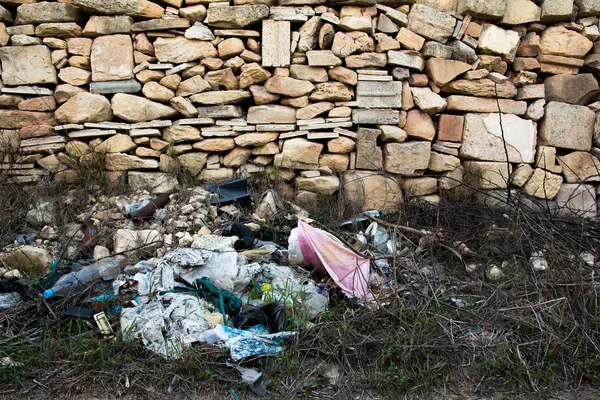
(350, 94)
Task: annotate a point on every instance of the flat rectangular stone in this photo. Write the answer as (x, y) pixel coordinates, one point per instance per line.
(194, 121)
(292, 18)
(485, 105)
(377, 72)
(454, 145)
(275, 127)
(375, 78)
(16, 166)
(112, 87)
(91, 133)
(379, 101)
(28, 90)
(339, 119)
(43, 140)
(108, 125)
(231, 122)
(68, 127)
(302, 122)
(277, 10)
(21, 30)
(444, 149)
(160, 24)
(215, 129)
(322, 135)
(236, 33)
(328, 125)
(160, 66)
(559, 60)
(248, 128)
(152, 124)
(179, 68)
(228, 111)
(52, 147)
(353, 103)
(289, 135)
(27, 172)
(375, 117)
(379, 88)
(346, 132)
(228, 133)
(276, 43)
(134, 133)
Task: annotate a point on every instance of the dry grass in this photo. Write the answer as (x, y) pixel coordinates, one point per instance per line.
(435, 328)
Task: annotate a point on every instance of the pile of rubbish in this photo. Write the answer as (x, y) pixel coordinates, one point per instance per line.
(231, 287)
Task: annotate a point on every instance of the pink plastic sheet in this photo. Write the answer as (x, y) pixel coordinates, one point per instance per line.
(349, 271)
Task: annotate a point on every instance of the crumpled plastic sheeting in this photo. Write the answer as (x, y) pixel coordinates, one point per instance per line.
(349, 271)
(181, 316)
(224, 268)
(256, 341)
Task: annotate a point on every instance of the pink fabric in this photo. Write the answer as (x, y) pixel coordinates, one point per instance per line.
(349, 271)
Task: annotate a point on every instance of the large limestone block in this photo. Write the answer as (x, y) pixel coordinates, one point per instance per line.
(133, 8)
(487, 175)
(572, 89)
(567, 126)
(428, 101)
(408, 158)
(485, 105)
(560, 41)
(193, 162)
(307, 73)
(181, 133)
(483, 138)
(276, 43)
(181, 50)
(299, 153)
(256, 139)
(443, 71)
(106, 25)
(125, 162)
(368, 154)
(520, 12)
(38, 13)
(84, 107)
(430, 23)
(271, 114)
(488, 10)
(588, 7)
(17, 119)
(309, 34)
(326, 185)
(288, 86)
(580, 166)
(221, 97)
(314, 110)
(154, 182)
(543, 184)
(331, 91)
(27, 65)
(499, 41)
(576, 199)
(556, 10)
(118, 143)
(138, 109)
(112, 58)
(236, 16)
(372, 191)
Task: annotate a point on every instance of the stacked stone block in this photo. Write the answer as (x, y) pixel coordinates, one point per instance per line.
(334, 94)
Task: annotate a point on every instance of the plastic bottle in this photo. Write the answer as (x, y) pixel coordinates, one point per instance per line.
(106, 269)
